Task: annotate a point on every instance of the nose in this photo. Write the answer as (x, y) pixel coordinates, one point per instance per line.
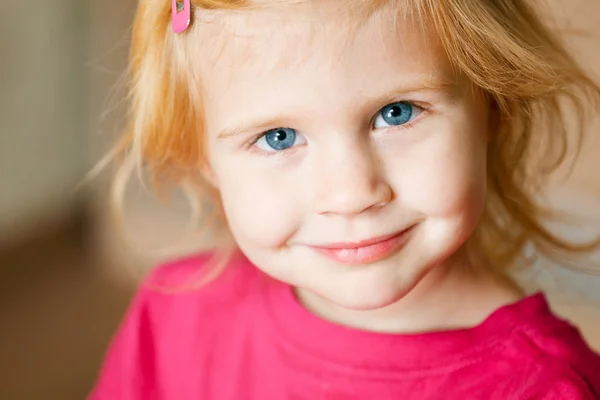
(350, 181)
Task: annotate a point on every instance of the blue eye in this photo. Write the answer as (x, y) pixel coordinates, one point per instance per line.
(395, 114)
(279, 139)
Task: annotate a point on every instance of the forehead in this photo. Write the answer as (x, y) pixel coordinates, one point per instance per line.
(312, 49)
(308, 31)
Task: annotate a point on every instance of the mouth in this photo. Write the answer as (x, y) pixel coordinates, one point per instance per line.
(365, 251)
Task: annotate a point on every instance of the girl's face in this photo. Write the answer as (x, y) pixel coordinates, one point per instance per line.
(327, 137)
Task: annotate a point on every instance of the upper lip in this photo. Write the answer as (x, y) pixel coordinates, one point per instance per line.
(361, 243)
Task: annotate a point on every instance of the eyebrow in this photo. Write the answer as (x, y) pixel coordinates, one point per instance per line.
(430, 84)
(260, 125)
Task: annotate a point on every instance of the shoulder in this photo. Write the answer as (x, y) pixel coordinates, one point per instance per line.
(557, 380)
(560, 363)
(194, 286)
(567, 386)
(174, 320)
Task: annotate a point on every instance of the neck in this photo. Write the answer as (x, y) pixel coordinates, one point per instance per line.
(452, 295)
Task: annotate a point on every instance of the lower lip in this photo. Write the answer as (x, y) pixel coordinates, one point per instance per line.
(366, 254)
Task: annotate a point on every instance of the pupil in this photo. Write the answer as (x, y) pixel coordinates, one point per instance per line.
(280, 135)
(395, 112)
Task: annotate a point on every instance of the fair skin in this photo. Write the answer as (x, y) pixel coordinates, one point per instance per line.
(345, 168)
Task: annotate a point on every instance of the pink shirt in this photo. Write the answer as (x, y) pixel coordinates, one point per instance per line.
(245, 337)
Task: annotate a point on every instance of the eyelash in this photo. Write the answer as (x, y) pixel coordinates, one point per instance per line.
(424, 108)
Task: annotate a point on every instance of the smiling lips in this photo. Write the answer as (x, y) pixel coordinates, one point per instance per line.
(366, 251)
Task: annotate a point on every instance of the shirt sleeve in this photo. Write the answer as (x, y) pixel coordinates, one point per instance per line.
(128, 371)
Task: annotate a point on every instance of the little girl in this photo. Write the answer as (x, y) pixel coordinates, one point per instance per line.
(378, 166)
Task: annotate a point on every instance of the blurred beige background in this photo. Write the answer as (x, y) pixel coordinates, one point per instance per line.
(65, 276)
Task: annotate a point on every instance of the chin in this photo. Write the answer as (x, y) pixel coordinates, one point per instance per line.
(369, 299)
(378, 289)
(369, 304)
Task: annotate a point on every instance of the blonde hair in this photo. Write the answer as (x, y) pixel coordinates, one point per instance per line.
(502, 46)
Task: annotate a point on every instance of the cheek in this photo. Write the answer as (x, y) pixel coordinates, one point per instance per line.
(261, 211)
(450, 180)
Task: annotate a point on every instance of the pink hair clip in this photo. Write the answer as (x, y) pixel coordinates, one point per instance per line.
(182, 12)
